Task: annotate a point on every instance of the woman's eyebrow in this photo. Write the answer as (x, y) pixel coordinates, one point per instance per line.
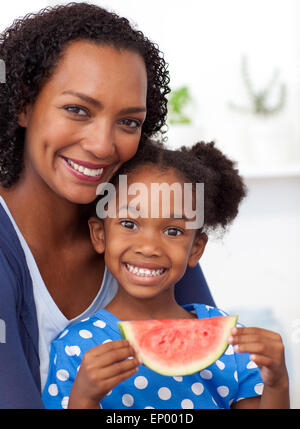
(96, 103)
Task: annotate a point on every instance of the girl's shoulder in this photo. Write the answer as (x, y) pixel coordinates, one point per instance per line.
(205, 311)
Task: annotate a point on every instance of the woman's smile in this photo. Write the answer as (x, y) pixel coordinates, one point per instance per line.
(85, 171)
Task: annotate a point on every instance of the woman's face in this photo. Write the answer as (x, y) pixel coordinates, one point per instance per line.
(86, 120)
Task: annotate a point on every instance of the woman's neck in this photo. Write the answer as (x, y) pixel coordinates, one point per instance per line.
(43, 216)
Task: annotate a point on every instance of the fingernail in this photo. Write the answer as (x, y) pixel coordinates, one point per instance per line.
(234, 330)
(230, 340)
(236, 348)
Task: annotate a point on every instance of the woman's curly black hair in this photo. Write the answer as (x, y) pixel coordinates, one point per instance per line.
(32, 47)
(224, 188)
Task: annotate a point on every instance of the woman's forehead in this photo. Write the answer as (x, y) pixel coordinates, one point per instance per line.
(101, 68)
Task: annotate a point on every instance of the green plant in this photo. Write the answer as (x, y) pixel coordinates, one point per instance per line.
(259, 99)
(178, 100)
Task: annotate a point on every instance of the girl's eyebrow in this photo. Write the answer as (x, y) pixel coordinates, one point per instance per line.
(96, 103)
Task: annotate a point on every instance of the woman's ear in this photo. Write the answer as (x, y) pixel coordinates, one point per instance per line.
(197, 250)
(23, 116)
(96, 226)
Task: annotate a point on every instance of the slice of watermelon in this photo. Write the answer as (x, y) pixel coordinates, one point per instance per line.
(177, 347)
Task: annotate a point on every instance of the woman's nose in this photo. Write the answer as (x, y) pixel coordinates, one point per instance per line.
(99, 141)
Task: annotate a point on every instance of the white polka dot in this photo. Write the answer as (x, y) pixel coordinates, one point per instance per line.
(99, 324)
(197, 388)
(229, 350)
(65, 402)
(206, 374)
(223, 391)
(236, 376)
(149, 408)
(164, 393)
(251, 365)
(141, 382)
(53, 390)
(84, 320)
(109, 393)
(64, 333)
(220, 364)
(72, 350)
(84, 333)
(54, 360)
(127, 400)
(107, 341)
(259, 387)
(178, 378)
(62, 374)
(187, 404)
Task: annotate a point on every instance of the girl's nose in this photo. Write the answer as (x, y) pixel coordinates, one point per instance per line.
(148, 247)
(99, 141)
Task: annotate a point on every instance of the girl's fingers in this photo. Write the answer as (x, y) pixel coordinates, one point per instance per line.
(107, 354)
(118, 369)
(262, 361)
(114, 381)
(239, 332)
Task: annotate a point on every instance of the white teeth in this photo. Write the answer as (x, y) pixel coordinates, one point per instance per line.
(84, 170)
(144, 272)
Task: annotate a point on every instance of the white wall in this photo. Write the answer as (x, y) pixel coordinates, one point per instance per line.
(254, 269)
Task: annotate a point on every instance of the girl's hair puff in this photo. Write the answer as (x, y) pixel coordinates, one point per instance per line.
(224, 188)
(31, 48)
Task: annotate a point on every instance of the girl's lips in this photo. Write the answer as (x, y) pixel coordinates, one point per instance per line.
(141, 274)
(81, 175)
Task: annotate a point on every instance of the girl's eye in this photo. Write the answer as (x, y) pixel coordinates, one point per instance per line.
(77, 110)
(131, 123)
(128, 224)
(174, 232)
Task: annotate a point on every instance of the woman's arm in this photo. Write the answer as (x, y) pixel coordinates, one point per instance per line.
(18, 388)
(192, 288)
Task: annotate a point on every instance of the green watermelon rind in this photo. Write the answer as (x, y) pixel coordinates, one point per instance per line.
(125, 331)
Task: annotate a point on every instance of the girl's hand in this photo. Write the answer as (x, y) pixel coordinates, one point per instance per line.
(266, 350)
(101, 369)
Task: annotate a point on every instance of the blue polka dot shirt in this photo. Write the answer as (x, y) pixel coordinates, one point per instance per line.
(231, 378)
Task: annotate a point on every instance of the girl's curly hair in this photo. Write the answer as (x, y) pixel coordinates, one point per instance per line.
(224, 188)
(31, 49)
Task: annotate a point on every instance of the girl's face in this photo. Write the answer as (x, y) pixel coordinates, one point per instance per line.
(147, 255)
(86, 120)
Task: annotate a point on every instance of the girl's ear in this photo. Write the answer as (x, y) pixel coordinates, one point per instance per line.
(96, 226)
(197, 249)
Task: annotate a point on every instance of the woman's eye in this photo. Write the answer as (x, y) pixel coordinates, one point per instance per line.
(77, 110)
(131, 123)
(128, 224)
(173, 232)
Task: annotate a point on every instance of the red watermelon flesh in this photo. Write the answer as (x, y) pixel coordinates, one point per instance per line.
(177, 347)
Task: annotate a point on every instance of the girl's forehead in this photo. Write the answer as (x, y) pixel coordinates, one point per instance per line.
(149, 173)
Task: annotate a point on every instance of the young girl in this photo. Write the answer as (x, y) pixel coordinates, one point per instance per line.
(148, 255)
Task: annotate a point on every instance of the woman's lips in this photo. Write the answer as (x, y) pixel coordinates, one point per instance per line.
(83, 170)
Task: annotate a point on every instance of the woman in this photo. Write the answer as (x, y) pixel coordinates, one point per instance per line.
(83, 89)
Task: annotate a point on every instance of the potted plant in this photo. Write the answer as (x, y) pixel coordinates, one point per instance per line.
(265, 129)
(181, 127)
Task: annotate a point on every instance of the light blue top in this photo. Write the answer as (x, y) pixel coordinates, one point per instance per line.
(231, 378)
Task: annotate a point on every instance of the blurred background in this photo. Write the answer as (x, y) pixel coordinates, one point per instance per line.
(235, 79)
